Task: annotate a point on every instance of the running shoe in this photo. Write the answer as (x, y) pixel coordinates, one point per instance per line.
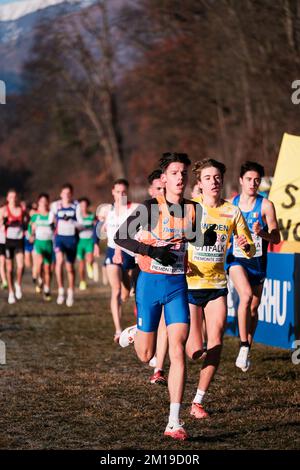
(61, 296)
(242, 361)
(90, 270)
(198, 411)
(82, 285)
(159, 378)
(70, 298)
(176, 431)
(127, 336)
(47, 296)
(18, 291)
(11, 298)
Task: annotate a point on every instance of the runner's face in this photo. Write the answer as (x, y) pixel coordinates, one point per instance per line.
(43, 204)
(157, 187)
(83, 207)
(12, 198)
(66, 195)
(250, 183)
(119, 193)
(175, 178)
(211, 182)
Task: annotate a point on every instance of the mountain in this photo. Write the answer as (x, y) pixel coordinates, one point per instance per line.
(17, 23)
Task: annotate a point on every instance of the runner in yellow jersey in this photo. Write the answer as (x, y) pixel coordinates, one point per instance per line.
(206, 276)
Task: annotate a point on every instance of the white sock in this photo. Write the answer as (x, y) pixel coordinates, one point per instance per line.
(199, 396)
(61, 291)
(46, 289)
(174, 412)
(156, 369)
(70, 292)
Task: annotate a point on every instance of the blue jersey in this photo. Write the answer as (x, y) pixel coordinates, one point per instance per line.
(67, 218)
(257, 264)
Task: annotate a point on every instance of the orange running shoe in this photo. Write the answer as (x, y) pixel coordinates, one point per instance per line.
(176, 431)
(198, 411)
(159, 378)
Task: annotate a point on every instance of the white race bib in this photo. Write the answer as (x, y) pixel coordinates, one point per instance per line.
(66, 228)
(238, 253)
(14, 233)
(177, 268)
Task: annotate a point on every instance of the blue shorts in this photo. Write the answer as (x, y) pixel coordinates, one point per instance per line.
(128, 261)
(201, 297)
(155, 291)
(28, 246)
(67, 245)
(255, 277)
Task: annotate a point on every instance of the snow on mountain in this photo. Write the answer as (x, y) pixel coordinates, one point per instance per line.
(16, 10)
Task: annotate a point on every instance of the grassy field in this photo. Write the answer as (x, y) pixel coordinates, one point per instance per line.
(66, 385)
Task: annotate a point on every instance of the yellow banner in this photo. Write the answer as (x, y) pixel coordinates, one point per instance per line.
(285, 192)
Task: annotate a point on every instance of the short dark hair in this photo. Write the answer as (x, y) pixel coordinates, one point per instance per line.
(168, 158)
(85, 199)
(252, 166)
(121, 181)
(155, 175)
(45, 195)
(207, 163)
(12, 190)
(67, 186)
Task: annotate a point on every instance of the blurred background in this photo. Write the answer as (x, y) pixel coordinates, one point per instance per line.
(97, 90)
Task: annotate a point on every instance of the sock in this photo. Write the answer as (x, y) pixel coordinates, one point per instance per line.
(46, 290)
(174, 412)
(70, 291)
(61, 291)
(245, 344)
(156, 369)
(199, 396)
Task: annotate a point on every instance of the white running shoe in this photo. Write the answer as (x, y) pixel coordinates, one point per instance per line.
(153, 362)
(176, 431)
(242, 360)
(11, 298)
(18, 291)
(61, 296)
(70, 298)
(127, 336)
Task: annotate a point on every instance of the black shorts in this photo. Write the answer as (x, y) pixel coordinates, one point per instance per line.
(201, 297)
(13, 247)
(2, 249)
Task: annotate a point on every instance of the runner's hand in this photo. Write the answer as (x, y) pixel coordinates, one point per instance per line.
(162, 255)
(210, 236)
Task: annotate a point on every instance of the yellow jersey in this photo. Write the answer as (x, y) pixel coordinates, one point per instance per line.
(206, 263)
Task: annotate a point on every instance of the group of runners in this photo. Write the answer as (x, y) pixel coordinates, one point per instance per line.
(46, 237)
(185, 251)
(173, 254)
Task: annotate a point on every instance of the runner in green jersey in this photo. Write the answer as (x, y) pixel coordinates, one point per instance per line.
(41, 231)
(85, 247)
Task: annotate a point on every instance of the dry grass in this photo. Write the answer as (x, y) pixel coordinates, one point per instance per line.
(67, 386)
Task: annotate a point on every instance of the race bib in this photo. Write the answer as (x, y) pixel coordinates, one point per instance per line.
(14, 233)
(44, 233)
(211, 254)
(86, 234)
(178, 267)
(257, 240)
(66, 228)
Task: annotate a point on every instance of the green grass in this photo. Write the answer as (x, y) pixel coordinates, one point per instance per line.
(66, 385)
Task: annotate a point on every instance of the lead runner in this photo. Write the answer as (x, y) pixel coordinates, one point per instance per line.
(164, 225)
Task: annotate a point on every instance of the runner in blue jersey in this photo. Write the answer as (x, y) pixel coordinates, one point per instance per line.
(248, 275)
(67, 217)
